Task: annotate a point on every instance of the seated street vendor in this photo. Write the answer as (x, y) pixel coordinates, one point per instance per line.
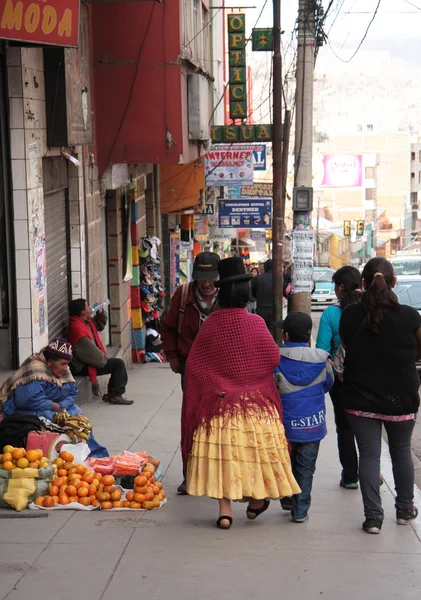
(43, 386)
(89, 355)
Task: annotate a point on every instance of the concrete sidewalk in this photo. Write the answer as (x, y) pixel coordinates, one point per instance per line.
(178, 552)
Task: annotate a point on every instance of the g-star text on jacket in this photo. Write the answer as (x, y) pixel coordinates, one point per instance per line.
(309, 422)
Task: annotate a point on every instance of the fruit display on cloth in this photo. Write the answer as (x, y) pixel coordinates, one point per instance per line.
(74, 484)
(24, 475)
(147, 493)
(79, 485)
(19, 458)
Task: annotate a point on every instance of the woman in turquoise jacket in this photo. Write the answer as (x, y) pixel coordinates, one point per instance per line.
(347, 282)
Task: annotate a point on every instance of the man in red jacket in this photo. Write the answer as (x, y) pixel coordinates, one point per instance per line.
(190, 305)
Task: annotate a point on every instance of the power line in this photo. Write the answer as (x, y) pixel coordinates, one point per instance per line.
(203, 28)
(412, 4)
(228, 82)
(363, 38)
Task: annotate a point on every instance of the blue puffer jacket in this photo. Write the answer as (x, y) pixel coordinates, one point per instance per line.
(303, 377)
(37, 397)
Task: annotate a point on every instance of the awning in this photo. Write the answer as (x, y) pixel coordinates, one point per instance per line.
(181, 186)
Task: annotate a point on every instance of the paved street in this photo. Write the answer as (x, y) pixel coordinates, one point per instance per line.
(178, 552)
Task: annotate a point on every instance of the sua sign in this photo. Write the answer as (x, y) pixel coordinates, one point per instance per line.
(54, 22)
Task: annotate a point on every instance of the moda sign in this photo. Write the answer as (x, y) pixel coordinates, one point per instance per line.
(51, 22)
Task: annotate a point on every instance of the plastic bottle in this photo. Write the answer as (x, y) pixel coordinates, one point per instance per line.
(98, 305)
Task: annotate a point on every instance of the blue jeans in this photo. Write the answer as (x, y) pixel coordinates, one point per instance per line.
(97, 451)
(303, 460)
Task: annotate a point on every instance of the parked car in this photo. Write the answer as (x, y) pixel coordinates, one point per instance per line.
(408, 291)
(406, 264)
(324, 292)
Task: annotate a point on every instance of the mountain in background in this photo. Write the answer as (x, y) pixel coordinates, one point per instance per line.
(379, 88)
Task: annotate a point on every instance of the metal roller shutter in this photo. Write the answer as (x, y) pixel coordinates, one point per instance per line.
(56, 250)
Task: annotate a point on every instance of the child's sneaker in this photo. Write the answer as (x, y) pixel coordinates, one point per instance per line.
(303, 520)
(405, 516)
(372, 525)
(286, 503)
(348, 486)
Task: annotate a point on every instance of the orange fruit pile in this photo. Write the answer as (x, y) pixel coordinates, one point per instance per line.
(74, 483)
(19, 458)
(148, 493)
(77, 483)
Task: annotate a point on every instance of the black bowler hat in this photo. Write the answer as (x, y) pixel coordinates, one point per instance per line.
(232, 270)
(205, 267)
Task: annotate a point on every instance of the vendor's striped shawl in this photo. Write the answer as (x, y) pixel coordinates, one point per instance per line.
(34, 368)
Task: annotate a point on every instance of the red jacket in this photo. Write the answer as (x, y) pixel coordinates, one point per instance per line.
(178, 345)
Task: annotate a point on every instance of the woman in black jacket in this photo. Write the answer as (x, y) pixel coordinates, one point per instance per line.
(382, 340)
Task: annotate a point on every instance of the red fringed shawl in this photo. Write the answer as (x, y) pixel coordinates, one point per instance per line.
(229, 371)
(78, 328)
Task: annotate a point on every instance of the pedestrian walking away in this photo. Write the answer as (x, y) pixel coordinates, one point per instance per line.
(89, 355)
(191, 304)
(382, 340)
(261, 289)
(303, 377)
(347, 282)
(234, 444)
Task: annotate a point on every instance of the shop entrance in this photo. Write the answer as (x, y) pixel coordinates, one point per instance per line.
(57, 245)
(8, 359)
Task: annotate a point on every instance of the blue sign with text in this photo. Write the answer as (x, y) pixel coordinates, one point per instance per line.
(254, 213)
(259, 157)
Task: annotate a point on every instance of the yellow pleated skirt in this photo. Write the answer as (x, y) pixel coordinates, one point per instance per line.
(241, 458)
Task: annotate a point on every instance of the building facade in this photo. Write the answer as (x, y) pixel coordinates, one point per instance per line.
(95, 134)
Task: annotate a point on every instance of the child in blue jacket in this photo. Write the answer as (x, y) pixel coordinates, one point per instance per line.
(303, 377)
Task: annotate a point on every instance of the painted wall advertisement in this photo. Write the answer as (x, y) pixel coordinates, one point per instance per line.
(302, 255)
(229, 164)
(174, 262)
(340, 170)
(38, 262)
(249, 214)
(47, 22)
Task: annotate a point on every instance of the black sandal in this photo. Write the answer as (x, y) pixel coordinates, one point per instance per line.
(255, 512)
(219, 522)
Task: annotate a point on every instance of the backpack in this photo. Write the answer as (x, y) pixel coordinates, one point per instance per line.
(339, 362)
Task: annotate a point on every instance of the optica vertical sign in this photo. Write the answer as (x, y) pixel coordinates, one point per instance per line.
(54, 22)
(237, 65)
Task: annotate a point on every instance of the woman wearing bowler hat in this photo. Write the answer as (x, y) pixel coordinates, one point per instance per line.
(234, 445)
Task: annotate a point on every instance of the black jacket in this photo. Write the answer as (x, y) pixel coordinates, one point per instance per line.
(261, 288)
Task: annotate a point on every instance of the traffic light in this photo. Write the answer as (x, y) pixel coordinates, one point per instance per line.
(347, 228)
(360, 228)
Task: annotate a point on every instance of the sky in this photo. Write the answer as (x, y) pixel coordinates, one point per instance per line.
(395, 30)
(396, 19)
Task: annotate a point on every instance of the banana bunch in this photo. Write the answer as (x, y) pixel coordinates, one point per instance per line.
(75, 426)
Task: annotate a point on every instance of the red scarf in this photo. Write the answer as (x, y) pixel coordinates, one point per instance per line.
(229, 371)
(78, 329)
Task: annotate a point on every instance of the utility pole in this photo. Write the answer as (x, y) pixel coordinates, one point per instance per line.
(303, 268)
(277, 224)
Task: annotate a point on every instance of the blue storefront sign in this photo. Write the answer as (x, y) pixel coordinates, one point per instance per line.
(259, 157)
(251, 214)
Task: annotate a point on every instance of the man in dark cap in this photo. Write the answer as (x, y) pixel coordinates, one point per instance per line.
(190, 305)
(261, 288)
